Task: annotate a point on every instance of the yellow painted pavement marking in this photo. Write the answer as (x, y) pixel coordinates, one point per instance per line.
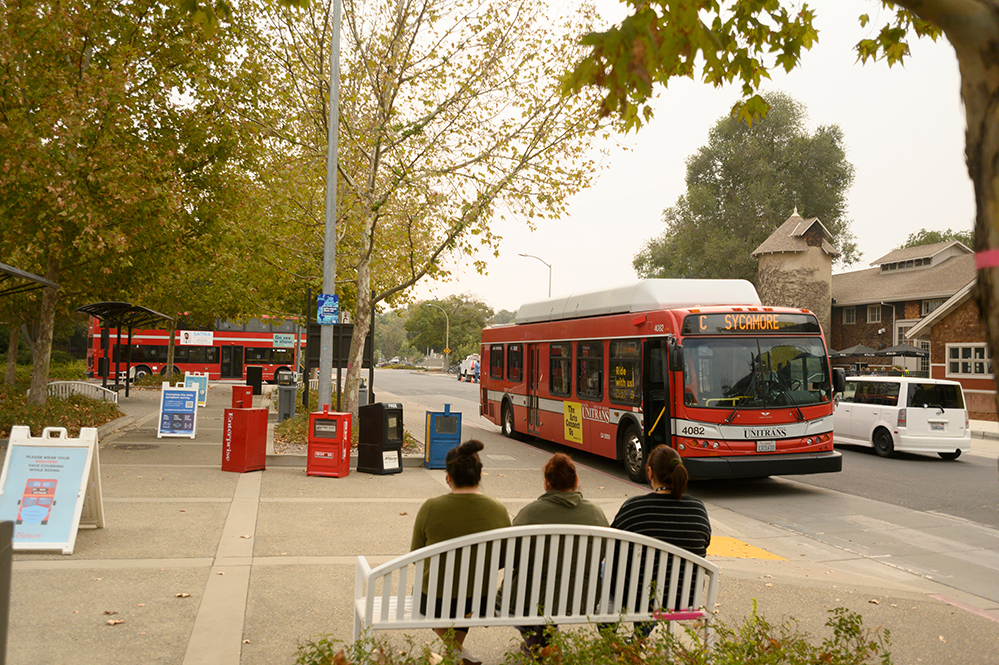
(735, 548)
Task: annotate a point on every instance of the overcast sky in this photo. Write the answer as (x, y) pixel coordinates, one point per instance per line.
(904, 134)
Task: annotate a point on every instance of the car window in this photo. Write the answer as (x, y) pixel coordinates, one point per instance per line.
(849, 392)
(867, 393)
(889, 394)
(934, 395)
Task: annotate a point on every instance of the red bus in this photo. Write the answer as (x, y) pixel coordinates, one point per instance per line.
(738, 389)
(224, 352)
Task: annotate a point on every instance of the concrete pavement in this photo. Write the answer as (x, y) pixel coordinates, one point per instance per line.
(213, 567)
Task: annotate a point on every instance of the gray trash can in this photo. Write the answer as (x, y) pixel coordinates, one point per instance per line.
(287, 391)
(362, 394)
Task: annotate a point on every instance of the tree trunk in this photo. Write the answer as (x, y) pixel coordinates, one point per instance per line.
(171, 334)
(362, 324)
(976, 41)
(10, 376)
(41, 348)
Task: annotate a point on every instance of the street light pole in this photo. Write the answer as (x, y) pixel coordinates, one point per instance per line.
(447, 336)
(531, 256)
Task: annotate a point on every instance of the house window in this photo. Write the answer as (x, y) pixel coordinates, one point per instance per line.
(874, 313)
(927, 306)
(969, 360)
(849, 316)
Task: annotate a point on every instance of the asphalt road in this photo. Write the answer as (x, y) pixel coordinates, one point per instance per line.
(927, 516)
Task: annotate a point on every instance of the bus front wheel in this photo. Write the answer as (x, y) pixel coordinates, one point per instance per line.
(634, 454)
(141, 371)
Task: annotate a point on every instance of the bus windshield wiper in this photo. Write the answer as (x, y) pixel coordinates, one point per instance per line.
(787, 391)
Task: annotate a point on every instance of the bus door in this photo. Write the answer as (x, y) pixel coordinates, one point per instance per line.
(533, 384)
(656, 402)
(232, 362)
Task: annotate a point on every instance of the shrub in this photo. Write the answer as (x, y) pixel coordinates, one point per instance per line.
(72, 412)
(755, 642)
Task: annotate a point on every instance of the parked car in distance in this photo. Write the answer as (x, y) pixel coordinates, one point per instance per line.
(466, 369)
(905, 414)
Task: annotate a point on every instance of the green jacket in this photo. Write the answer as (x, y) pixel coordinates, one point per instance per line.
(554, 507)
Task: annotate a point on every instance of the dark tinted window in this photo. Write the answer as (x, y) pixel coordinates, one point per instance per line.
(560, 369)
(933, 395)
(515, 362)
(624, 385)
(590, 370)
(496, 362)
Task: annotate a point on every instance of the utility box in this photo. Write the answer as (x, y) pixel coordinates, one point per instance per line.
(242, 397)
(244, 440)
(329, 444)
(379, 442)
(443, 434)
(255, 379)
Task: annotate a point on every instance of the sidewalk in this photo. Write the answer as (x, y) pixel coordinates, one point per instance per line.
(209, 567)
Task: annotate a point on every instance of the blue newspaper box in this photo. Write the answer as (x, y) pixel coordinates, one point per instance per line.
(443, 434)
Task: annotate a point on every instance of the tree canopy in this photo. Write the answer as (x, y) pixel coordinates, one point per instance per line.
(743, 185)
(928, 237)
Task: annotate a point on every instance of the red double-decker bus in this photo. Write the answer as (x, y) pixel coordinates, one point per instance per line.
(738, 389)
(224, 353)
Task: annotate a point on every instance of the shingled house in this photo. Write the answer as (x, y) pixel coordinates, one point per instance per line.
(919, 296)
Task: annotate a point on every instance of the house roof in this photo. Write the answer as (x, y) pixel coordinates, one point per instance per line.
(922, 329)
(790, 237)
(920, 252)
(872, 285)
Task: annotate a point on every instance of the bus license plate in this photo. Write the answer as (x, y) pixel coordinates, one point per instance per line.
(766, 446)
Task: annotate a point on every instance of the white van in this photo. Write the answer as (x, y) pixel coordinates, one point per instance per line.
(903, 413)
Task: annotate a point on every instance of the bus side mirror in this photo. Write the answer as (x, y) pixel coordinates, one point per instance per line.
(839, 379)
(675, 358)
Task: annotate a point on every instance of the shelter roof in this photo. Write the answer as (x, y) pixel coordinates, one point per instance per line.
(114, 314)
(11, 273)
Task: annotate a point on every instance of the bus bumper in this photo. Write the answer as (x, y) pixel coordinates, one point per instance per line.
(760, 466)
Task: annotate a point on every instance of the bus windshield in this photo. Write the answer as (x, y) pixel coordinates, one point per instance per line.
(766, 372)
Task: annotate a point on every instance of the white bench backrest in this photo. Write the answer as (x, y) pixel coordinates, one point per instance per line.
(576, 582)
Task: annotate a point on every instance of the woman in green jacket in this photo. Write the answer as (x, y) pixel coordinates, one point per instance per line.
(562, 503)
(463, 511)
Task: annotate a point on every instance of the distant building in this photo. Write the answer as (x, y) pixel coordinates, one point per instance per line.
(795, 267)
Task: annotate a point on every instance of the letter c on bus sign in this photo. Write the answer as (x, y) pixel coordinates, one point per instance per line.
(702, 319)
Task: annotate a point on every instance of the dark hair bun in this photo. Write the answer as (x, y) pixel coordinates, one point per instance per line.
(470, 447)
(463, 463)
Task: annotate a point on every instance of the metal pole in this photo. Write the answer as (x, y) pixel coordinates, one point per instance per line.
(329, 244)
(447, 335)
(531, 256)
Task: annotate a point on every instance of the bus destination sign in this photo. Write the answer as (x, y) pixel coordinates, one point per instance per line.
(752, 323)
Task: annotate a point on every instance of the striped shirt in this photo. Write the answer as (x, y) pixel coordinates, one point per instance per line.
(682, 522)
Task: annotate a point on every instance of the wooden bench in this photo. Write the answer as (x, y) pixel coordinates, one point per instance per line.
(384, 595)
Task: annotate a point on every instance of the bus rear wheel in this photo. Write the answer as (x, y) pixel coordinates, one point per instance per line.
(141, 371)
(634, 455)
(506, 422)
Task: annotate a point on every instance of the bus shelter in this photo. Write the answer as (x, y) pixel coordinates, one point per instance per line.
(121, 315)
(21, 281)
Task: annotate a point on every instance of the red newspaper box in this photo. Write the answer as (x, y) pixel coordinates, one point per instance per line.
(242, 397)
(329, 444)
(244, 440)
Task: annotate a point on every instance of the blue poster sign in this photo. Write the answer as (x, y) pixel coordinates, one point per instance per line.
(178, 411)
(46, 482)
(328, 310)
(199, 381)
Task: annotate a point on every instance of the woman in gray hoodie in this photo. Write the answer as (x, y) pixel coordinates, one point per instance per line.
(562, 503)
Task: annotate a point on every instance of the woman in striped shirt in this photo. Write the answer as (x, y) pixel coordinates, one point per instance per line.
(667, 513)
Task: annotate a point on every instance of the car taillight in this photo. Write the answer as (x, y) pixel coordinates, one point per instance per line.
(901, 417)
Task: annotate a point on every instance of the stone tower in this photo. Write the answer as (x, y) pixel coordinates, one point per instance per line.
(795, 267)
